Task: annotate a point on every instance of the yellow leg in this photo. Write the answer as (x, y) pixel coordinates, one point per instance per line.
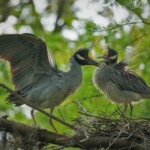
(131, 110)
(51, 121)
(125, 107)
(32, 115)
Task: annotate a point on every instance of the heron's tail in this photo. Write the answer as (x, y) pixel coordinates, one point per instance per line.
(13, 99)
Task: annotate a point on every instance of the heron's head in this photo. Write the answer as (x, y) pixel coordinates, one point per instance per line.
(85, 57)
(110, 56)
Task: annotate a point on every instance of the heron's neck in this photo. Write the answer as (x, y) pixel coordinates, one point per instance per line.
(75, 68)
(74, 76)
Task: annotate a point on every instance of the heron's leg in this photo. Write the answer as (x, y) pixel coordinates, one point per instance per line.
(129, 124)
(125, 107)
(131, 110)
(32, 115)
(51, 121)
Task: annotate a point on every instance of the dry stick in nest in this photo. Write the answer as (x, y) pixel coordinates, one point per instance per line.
(115, 133)
(44, 137)
(37, 108)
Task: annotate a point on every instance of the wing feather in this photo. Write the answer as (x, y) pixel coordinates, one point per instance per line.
(28, 56)
(129, 81)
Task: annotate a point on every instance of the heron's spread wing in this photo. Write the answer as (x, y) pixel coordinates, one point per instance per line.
(129, 81)
(28, 56)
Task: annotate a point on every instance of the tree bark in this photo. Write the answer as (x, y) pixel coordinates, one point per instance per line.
(17, 135)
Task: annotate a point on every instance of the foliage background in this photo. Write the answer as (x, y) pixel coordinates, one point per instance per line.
(67, 25)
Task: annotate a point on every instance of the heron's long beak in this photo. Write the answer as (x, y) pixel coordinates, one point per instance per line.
(93, 62)
(102, 57)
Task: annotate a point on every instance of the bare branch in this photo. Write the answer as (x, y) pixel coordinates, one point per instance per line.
(96, 28)
(145, 21)
(29, 136)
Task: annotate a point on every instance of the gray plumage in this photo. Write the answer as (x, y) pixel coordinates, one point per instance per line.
(118, 83)
(35, 73)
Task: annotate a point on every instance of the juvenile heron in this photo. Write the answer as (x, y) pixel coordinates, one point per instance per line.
(118, 83)
(35, 74)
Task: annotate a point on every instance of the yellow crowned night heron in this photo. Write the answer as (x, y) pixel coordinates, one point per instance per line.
(118, 83)
(35, 73)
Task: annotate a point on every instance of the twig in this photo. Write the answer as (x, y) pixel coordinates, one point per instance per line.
(36, 135)
(61, 115)
(37, 108)
(81, 107)
(139, 38)
(145, 21)
(110, 144)
(112, 119)
(117, 26)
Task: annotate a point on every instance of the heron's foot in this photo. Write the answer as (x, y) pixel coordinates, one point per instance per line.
(52, 125)
(125, 108)
(33, 118)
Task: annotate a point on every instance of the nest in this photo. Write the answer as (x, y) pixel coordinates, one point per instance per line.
(115, 130)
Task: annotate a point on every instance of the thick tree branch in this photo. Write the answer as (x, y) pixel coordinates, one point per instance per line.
(31, 136)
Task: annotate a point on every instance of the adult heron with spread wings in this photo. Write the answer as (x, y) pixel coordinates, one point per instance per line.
(35, 74)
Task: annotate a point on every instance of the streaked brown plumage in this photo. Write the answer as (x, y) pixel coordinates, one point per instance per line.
(118, 83)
